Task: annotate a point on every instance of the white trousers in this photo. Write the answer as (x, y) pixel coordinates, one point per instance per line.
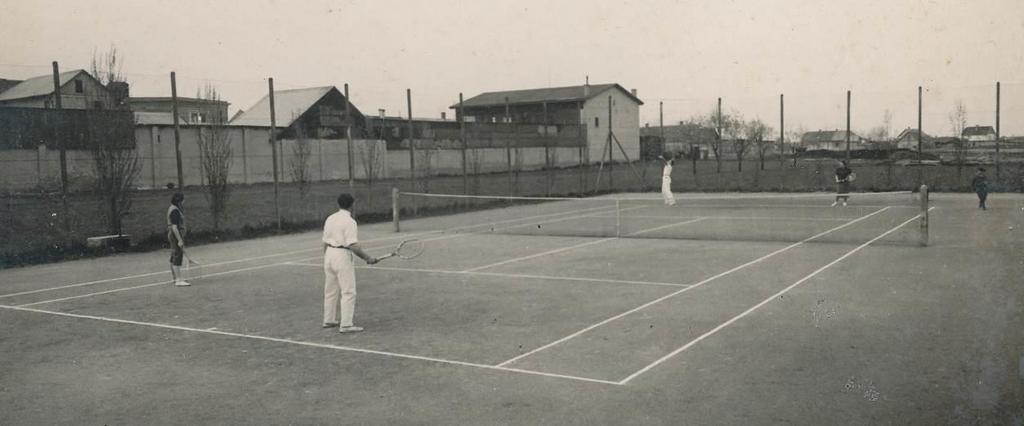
(666, 191)
(339, 287)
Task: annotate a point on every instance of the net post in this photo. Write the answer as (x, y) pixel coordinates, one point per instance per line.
(618, 219)
(924, 215)
(394, 209)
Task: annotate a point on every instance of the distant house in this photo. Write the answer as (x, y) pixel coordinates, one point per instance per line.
(979, 134)
(680, 138)
(830, 140)
(568, 116)
(78, 90)
(318, 112)
(908, 139)
(190, 110)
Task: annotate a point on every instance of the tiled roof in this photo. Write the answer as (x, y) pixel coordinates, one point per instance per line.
(288, 106)
(37, 86)
(979, 131)
(548, 94)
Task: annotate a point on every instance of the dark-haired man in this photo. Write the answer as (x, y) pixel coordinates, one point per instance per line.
(176, 237)
(341, 244)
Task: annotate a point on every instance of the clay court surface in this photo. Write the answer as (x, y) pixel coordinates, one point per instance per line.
(821, 316)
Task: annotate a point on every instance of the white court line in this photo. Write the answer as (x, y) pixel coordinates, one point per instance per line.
(311, 344)
(396, 237)
(559, 250)
(504, 275)
(673, 294)
(80, 296)
(763, 302)
(787, 218)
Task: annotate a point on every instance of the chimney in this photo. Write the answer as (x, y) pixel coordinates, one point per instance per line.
(443, 117)
(633, 91)
(586, 88)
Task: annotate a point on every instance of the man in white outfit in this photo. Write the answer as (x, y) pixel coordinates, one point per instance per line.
(666, 180)
(341, 242)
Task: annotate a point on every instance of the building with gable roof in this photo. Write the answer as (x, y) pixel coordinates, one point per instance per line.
(317, 112)
(830, 140)
(78, 90)
(565, 116)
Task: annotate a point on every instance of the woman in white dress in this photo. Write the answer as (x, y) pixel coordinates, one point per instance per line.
(666, 180)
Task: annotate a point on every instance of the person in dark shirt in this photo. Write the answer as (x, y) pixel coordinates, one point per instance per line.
(176, 237)
(980, 185)
(843, 177)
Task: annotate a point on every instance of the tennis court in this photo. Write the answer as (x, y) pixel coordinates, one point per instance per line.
(725, 309)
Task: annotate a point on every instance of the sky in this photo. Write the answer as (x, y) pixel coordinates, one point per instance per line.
(682, 54)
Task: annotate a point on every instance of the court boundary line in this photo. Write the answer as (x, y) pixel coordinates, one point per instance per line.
(763, 302)
(311, 344)
(120, 289)
(785, 218)
(589, 243)
(394, 237)
(675, 293)
(506, 275)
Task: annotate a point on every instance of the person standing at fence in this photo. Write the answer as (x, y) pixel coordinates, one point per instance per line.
(843, 175)
(341, 244)
(176, 237)
(666, 179)
(980, 185)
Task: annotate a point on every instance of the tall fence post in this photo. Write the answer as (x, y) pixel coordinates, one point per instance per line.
(61, 142)
(920, 151)
(508, 146)
(348, 139)
(582, 147)
(462, 139)
(177, 131)
(412, 143)
(998, 174)
(273, 156)
(847, 125)
(782, 131)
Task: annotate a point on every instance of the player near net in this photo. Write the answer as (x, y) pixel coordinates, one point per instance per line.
(666, 179)
(844, 175)
(341, 245)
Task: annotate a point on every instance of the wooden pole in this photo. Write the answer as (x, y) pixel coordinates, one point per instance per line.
(923, 193)
(998, 175)
(273, 150)
(395, 209)
(547, 153)
(62, 145)
(177, 134)
(718, 136)
(582, 147)
(782, 130)
(412, 143)
(920, 168)
(348, 138)
(462, 138)
(847, 125)
(508, 148)
(611, 154)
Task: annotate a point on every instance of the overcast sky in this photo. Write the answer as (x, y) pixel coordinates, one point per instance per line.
(684, 53)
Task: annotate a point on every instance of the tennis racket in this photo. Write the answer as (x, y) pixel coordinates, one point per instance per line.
(408, 249)
(193, 269)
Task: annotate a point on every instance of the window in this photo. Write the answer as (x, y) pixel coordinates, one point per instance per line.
(197, 117)
(597, 122)
(79, 87)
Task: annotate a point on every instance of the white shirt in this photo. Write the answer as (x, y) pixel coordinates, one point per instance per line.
(667, 171)
(340, 229)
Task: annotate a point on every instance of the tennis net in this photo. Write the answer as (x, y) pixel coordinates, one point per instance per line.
(723, 217)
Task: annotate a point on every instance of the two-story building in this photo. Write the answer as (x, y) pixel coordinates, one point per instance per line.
(78, 90)
(563, 116)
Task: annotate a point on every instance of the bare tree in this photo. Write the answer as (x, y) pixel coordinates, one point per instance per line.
(116, 162)
(957, 122)
(756, 132)
(298, 165)
(112, 136)
(215, 159)
(371, 157)
(425, 162)
(476, 160)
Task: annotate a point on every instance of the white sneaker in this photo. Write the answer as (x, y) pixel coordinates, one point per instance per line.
(350, 329)
(835, 203)
(182, 283)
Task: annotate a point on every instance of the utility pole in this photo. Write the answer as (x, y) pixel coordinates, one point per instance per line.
(61, 142)
(177, 134)
(847, 125)
(348, 138)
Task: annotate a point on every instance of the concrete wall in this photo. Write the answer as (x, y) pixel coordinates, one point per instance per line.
(30, 170)
(625, 125)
